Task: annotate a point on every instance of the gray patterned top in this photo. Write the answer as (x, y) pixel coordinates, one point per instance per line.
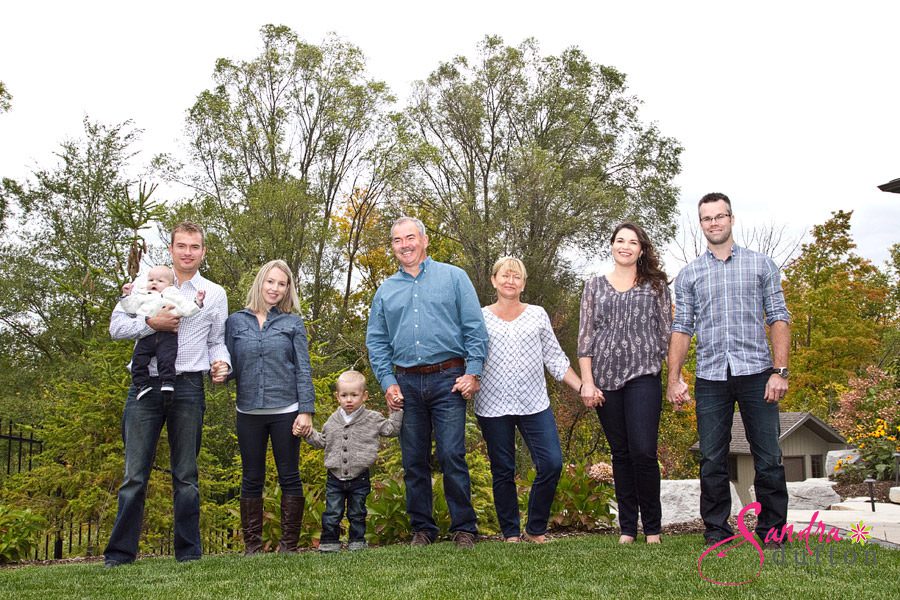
(512, 382)
(626, 333)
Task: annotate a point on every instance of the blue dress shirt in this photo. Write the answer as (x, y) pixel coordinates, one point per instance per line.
(271, 365)
(425, 320)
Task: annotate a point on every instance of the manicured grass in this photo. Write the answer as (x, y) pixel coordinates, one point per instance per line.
(592, 566)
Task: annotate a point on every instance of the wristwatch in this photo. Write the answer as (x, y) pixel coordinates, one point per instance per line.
(782, 371)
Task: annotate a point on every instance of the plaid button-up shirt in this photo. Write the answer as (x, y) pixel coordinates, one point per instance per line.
(728, 304)
(201, 338)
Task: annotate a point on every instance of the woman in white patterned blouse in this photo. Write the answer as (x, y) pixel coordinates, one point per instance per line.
(513, 395)
(626, 316)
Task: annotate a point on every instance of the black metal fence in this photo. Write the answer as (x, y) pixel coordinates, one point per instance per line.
(17, 450)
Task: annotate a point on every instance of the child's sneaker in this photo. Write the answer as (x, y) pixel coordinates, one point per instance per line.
(330, 547)
(143, 392)
(361, 545)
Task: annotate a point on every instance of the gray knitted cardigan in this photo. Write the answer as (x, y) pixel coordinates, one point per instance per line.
(350, 449)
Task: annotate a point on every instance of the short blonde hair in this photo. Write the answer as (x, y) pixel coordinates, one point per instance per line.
(512, 263)
(350, 377)
(290, 302)
(169, 272)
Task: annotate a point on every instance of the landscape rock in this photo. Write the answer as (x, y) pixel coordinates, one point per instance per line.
(835, 455)
(681, 500)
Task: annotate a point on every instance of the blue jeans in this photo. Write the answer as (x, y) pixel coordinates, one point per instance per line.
(715, 413)
(630, 420)
(351, 493)
(541, 437)
(142, 423)
(430, 407)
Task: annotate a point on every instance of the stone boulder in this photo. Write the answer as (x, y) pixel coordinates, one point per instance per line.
(681, 500)
(812, 494)
(849, 456)
(894, 495)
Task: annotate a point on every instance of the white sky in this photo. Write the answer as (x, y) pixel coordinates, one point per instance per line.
(790, 107)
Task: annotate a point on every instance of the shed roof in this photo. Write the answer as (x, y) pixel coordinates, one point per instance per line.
(790, 423)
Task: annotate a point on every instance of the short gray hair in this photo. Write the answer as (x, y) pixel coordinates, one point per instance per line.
(404, 219)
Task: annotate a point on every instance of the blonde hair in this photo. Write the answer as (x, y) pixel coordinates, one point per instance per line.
(169, 272)
(290, 302)
(512, 263)
(350, 377)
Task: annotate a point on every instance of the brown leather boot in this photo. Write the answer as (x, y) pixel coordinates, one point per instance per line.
(251, 524)
(291, 520)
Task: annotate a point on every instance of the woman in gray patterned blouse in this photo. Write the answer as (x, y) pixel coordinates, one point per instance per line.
(626, 316)
(513, 395)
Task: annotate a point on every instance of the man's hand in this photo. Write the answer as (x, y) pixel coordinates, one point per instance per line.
(165, 320)
(776, 388)
(201, 294)
(466, 385)
(394, 397)
(677, 393)
(302, 425)
(218, 371)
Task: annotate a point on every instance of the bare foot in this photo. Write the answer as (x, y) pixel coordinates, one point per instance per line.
(626, 539)
(535, 539)
(513, 539)
(654, 539)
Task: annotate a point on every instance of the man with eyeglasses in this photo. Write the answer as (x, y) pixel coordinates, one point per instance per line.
(727, 296)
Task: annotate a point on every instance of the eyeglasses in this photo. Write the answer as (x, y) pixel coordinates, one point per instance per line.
(718, 218)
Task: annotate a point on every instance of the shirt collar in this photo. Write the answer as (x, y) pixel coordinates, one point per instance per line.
(195, 281)
(423, 266)
(735, 249)
(351, 417)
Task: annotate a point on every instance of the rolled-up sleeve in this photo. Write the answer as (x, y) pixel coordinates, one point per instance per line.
(773, 295)
(215, 339)
(684, 305)
(378, 343)
(474, 331)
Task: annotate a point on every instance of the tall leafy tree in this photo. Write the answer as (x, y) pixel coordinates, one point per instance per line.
(5, 98)
(837, 303)
(513, 152)
(279, 143)
(65, 259)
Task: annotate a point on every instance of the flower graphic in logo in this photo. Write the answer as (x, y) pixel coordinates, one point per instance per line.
(860, 533)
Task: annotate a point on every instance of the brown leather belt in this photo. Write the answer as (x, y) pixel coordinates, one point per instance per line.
(425, 369)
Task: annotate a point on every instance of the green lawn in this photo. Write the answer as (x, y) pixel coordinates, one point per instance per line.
(577, 567)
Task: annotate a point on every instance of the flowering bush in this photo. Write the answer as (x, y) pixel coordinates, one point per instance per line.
(869, 417)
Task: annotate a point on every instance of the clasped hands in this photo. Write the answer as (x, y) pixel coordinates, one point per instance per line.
(591, 396)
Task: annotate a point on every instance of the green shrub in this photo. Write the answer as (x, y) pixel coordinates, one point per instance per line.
(581, 502)
(19, 533)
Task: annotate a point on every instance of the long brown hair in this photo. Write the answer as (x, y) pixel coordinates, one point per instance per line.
(648, 269)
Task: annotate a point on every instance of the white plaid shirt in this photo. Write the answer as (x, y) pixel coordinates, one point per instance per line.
(512, 382)
(201, 338)
(729, 303)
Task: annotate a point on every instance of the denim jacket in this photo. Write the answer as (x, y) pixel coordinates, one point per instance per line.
(271, 365)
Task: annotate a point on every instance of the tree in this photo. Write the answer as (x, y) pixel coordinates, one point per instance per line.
(517, 153)
(5, 98)
(837, 303)
(66, 259)
(279, 143)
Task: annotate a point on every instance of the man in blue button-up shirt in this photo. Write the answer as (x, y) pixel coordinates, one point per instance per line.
(427, 342)
(727, 296)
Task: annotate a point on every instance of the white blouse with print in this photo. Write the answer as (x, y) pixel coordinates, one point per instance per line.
(512, 382)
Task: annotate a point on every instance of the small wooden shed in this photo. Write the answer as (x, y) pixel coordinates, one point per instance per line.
(805, 440)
